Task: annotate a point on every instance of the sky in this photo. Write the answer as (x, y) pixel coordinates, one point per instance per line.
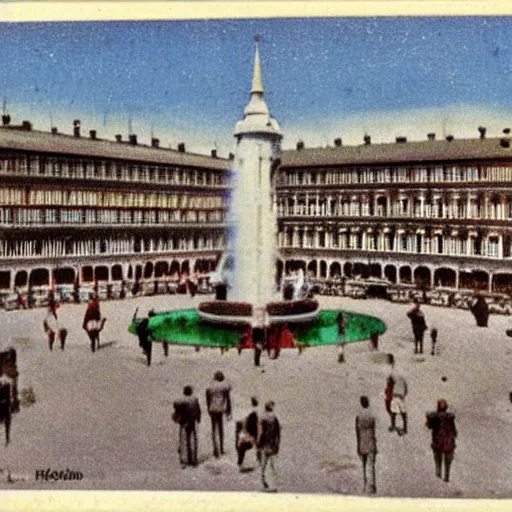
(189, 81)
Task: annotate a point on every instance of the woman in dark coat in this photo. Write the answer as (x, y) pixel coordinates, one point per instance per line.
(444, 432)
(480, 311)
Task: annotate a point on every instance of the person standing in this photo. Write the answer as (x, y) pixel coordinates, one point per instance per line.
(247, 434)
(93, 323)
(419, 326)
(398, 384)
(367, 441)
(187, 412)
(480, 310)
(218, 401)
(433, 338)
(269, 439)
(444, 432)
(7, 402)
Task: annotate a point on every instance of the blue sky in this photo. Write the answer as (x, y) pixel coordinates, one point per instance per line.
(324, 77)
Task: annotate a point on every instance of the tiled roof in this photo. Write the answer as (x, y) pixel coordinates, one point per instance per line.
(399, 152)
(44, 142)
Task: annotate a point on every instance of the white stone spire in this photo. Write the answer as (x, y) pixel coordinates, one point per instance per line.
(257, 117)
(257, 80)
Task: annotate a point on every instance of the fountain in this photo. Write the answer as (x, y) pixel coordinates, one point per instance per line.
(247, 270)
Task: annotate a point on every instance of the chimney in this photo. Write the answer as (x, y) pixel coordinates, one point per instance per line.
(506, 131)
(231, 156)
(26, 125)
(367, 140)
(181, 147)
(6, 119)
(300, 145)
(214, 153)
(431, 136)
(338, 142)
(76, 127)
(133, 139)
(401, 140)
(92, 134)
(119, 138)
(449, 138)
(482, 130)
(54, 130)
(155, 143)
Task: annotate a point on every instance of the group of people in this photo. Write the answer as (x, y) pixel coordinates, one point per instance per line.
(261, 432)
(93, 323)
(440, 422)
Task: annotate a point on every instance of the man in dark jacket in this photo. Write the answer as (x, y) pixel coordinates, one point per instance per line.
(269, 439)
(419, 326)
(187, 412)
(444, 432)
(218, 401)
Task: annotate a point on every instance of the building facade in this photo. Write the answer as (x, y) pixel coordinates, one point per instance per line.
(431, 219)
(79, 213)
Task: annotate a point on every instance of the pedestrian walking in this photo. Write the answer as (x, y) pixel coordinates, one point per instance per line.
(367, 442)
(246, 434)
(419, 326)
(187, 413)
(433, 338)
(93, 323)
(480, 310)
(444, 432)
(7, 402)
(269, 439)
(144, 335)
(218, 401)
(398, 394)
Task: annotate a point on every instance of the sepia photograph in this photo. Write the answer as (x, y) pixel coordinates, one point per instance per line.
(265, 255)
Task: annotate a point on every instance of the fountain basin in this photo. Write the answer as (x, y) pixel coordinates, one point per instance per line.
(240, 313)
(186, 327)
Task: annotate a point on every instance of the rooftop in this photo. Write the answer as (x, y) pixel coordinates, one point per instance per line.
(12, 138)
(400, 152)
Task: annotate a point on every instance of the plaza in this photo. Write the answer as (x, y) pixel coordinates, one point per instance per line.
(108, 415)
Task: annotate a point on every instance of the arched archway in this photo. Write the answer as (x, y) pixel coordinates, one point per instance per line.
(161, 268)
(335, 269)
(312, 268)
(422, 276)
(117, 272)
(101, 273)
(390, 273)
(348, 269)
(405, 274)
(148, 270)
(5, 280)
(445, 277)
(39, 277)
(87, 274)
(323, 269)
(502, 283)
(21, 279)
(361, 269)
(64, 275)
(375, 270)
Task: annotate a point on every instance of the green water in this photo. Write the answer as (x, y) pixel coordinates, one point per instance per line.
(185, 327)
